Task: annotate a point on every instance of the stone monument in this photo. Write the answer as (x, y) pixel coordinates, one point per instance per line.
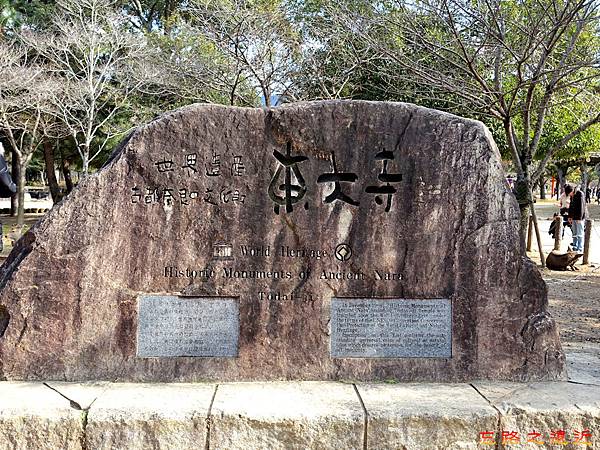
(316, 241)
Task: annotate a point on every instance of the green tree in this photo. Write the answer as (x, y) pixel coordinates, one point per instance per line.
(15, 13)
(153, 15)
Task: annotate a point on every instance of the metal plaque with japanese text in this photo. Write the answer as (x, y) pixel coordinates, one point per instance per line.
(178, 326)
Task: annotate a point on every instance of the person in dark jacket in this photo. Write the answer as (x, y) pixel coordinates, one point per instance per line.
(577, 209)
(7, 188)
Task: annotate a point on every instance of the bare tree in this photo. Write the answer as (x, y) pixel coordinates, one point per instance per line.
(510, 61)
(91, 50)
(26, 108)
(258, 44)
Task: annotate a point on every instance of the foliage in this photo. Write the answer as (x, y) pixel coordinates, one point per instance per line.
(515, 63)
(528, 69)
(33, 13)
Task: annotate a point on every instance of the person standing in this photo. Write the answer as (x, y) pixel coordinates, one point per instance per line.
(565, 199)
(7, 188)
(577, 210)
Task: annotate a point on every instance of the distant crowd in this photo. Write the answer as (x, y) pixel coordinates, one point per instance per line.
(591, 194)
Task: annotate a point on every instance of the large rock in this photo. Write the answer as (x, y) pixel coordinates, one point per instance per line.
(447, 230)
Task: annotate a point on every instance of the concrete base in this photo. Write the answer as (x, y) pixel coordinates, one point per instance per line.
(299, 415)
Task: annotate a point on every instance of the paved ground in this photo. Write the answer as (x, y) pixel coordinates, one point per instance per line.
(548, 206)
(545, 211)
(8, 225)
(574, 296)
(300, 416)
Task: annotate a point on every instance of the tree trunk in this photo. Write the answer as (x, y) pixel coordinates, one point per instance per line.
(21, 193)
(14, 172)
(542, 189)
(524, 197)
(584, 178)
(50, 173)
(538, 237)
(85, 163)
(561, 175)
(523, 223)
(67, 174)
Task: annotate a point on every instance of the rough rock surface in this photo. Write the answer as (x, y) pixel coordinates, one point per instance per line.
(69, 290)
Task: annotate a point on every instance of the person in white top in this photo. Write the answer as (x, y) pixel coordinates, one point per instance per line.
(565, 199)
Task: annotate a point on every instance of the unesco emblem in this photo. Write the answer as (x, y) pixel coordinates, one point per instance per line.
(343, 252)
